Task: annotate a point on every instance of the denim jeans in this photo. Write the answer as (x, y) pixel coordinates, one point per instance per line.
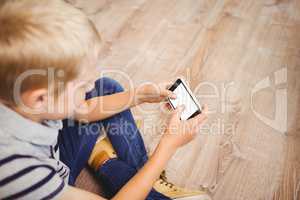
(76, 142)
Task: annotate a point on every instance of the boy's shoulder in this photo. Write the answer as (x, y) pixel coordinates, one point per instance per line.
(17, 154)
(26, 169)
(15, 128)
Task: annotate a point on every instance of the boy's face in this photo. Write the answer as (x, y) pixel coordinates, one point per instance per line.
(43, 104)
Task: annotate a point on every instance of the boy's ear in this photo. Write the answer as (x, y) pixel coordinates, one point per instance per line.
(36, 99)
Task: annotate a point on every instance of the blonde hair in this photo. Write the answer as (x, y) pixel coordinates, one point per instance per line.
(42, 34)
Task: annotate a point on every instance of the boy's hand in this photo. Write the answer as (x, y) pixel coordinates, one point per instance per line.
(180, 132)
(153, 93)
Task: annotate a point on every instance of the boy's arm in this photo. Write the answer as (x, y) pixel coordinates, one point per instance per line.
(99, 108)
(102, 107)
(71, 192)
(141, 184)
(178, 134)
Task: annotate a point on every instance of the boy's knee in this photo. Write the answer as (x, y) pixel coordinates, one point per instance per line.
(108, 85)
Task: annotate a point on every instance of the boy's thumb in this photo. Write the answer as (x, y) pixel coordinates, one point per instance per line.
(179, 110)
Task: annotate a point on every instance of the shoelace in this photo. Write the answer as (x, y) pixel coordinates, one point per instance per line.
(164, 180)
(168, 184)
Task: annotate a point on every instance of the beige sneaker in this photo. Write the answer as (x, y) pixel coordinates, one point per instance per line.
(103, 151)
(174, 192)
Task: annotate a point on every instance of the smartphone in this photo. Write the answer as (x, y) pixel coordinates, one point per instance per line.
(184, 97)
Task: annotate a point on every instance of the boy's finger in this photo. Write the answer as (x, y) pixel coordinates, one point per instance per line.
(204, 109)
(201, 117)
(166, 85)
(168, 93)
(179, 110)
(167, 106)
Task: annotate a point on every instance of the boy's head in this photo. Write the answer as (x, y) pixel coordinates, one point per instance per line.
(43, 44)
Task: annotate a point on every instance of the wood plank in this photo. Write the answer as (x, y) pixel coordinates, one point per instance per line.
(223, 48)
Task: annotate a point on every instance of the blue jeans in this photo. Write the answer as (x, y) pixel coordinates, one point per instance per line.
(76, 142)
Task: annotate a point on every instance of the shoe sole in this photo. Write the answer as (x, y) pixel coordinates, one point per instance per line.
(199, 197)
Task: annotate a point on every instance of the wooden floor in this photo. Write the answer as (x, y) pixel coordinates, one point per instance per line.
(229, 51)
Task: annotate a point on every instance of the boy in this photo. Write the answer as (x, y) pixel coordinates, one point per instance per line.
(45, 47)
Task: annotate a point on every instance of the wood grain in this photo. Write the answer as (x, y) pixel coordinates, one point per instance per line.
(223, 48)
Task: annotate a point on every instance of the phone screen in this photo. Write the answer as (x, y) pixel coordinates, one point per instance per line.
(185, 98)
